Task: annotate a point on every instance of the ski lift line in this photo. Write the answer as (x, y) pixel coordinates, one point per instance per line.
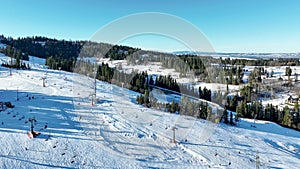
(191, 97)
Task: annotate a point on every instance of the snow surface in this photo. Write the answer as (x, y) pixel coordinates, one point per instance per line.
(117, 133)
(2, 45)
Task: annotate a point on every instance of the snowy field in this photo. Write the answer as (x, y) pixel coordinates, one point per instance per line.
(117, 133)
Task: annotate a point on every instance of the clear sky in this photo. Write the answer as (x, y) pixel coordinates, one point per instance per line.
(230, 25)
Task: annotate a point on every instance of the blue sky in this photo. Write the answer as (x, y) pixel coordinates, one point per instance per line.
(230, 26)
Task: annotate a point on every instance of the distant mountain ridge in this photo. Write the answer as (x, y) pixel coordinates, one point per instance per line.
(241, 55)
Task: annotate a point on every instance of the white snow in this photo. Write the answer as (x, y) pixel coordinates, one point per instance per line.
(2, 45)
(117, 133)
(37, 62)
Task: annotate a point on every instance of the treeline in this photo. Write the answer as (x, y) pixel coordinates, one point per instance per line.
(62, 53)
(166, 82)
(262, 62)
(286, 117)
(43, 47)
(18, 57)
(60, 63)
(14, 53)
(188, 65)
(119, 52)
(196, 63)
(246, 106)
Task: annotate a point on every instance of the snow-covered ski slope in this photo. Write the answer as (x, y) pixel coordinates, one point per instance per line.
(117, 133)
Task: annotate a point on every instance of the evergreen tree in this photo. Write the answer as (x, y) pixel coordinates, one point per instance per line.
(225, 116)
(287, 117)
(231, 119)
(288, 72)
(151, 82)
